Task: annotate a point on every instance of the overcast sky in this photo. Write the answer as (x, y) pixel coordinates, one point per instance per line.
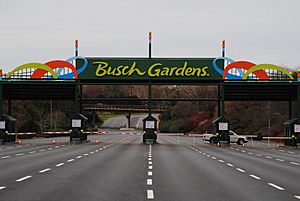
(261, 31)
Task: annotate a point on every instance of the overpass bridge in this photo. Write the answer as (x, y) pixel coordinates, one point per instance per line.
(123, 108)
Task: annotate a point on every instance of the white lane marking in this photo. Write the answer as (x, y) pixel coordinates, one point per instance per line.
(23, 178)
(149, 182)
(149, 159)
(150, 194)
(196, 149)
(243, 151)
(241, 170)
(45, 170)
(100, 149)
(255, 177)
(150, 162)
(59, 164)
(291, 152)
(42, 150)
(32, 152)
(86, 154)
(97, 150)
(78, 156)
(278, 159)
(199, 152)
(214, 158)
(50, 148)
(2, 187)
(275, 186)
(221, 161)
(229, 164)
(208, 155)
(250, 153)
(297, 196)
(70, 160)
(20, 154)
(258, 155)
(150, 173)
(237, 149)
(92, 152)
(269, 157)
(150, 167)
(57, 147)
(5, 157)
(293, 163)
(63, 145)
(204, 154)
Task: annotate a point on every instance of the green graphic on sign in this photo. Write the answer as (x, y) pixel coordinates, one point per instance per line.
(146, 69)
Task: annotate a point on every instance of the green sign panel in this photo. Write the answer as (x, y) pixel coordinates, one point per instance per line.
(145, 69)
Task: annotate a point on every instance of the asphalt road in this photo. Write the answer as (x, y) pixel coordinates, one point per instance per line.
(120, 168)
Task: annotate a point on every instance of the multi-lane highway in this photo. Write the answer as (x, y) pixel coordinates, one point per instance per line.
(120, 168)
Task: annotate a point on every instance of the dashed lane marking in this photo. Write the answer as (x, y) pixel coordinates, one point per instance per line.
(150, 162)
(86, 154)
(23, 178)
(293, 163)
(32, 152)
(45, 170)
(42, 150)
(275, 186)
(259, 155)
(221, 161)
(255, 177)
(20, 154)
(71, 160)
(2, 187)
(229, 164)
(150, 194)
(5, 157)
(150, 167)
(149, 159)
(149, 182)
(60, 164)
(78, 156)
(241, 170)
(50, 148)
(297, 196)
(269, 157)
(214, 158)
(150, 173)
(278, 159)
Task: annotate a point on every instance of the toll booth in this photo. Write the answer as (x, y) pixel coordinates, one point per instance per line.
(289, 130)
(149, 130)
(221, 129)
(7, 129)
(78, 128)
